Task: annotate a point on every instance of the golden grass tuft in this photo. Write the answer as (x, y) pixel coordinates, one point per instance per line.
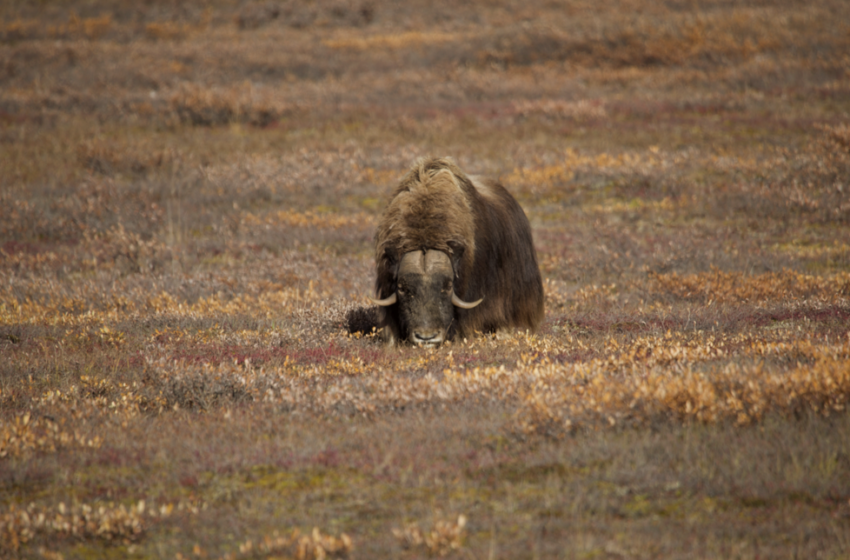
(391, 41)
(445, 537)
(168, 30)
(728, 287)
(542, 178)
(82, 521)
(311, 219)
(26, 434)
(197, 105)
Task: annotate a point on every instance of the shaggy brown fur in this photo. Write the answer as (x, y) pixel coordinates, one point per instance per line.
(482, 229)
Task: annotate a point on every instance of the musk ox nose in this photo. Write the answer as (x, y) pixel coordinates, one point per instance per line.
(427, 338)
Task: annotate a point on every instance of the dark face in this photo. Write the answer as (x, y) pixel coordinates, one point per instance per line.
(424, 288)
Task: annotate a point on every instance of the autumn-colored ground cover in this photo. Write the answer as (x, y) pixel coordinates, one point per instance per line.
(188, 194)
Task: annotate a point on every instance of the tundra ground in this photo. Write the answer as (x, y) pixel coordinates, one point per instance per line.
(188, 197)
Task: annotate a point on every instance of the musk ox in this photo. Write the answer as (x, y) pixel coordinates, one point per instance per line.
(454, 255)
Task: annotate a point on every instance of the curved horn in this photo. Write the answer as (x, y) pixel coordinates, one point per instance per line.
(386, 301)
(462, 304)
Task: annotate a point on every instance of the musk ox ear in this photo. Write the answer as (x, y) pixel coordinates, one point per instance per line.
(387, 275)
(456, 255)
(389, 260)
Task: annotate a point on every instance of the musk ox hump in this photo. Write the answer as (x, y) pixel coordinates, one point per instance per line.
(442, 179)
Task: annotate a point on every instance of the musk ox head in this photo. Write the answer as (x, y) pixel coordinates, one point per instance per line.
(425, 296)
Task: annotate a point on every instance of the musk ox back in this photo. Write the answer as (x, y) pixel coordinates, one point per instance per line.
(454, 256)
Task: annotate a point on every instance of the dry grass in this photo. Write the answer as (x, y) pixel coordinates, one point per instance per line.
(189, 197)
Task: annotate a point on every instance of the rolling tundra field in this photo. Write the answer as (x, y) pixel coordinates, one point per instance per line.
(188, 197)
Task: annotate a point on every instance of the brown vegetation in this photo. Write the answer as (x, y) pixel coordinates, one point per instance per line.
(188, 198)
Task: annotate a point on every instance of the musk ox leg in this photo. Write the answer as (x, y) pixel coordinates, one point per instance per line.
(365, 320)
(362, 320)
(388, 338)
